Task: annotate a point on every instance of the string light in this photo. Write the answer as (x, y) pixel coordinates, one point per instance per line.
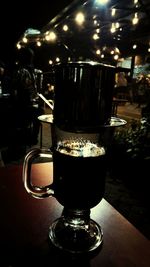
(135, 20)
(18, 46)
(95, 36)
(113, 12)
(97, 30)
(25, 40)
(50, 62)
(113, 28)
(38, 43)
(95, 22)
(50, 36)
(112, 52)
(57, 59)
(116, 57)
(65, 27)
(117, 25)
(79, 18)
(98, 51)
(94, 19)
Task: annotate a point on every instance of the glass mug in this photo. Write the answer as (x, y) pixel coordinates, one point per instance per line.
(79, 171)
(82, 110)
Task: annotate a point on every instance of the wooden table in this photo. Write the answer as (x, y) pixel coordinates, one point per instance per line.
(24, 225)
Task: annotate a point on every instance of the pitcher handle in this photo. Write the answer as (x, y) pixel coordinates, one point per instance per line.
(35, 191)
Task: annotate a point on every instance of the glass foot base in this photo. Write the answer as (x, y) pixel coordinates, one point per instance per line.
(75, 238)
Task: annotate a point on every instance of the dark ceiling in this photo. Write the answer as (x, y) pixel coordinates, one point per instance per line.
(17, 16)
(78, 41)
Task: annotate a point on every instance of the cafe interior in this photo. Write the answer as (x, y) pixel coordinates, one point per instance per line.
(88, 34)
(110, 32)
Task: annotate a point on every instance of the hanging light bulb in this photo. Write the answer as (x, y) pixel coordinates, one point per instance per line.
(57, 59)
(50, 36)
(98, 51)
(112, 52)
(135, 20)
(117, 25)
(116, 57)
(80, 18)
(25, 40)
(95, 36)
(38, 43)
(97, 30)
(95, 22)
(18, 45)
(113, 12)
(65, 28)
(113, 28)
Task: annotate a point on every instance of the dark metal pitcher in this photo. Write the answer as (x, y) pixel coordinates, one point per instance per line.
(83, 95)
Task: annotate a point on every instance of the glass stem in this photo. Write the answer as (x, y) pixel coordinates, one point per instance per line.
(76, 218)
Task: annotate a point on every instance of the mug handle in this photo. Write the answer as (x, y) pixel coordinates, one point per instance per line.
(35, 191)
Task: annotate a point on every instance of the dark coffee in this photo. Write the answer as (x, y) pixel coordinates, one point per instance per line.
(79, 173)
